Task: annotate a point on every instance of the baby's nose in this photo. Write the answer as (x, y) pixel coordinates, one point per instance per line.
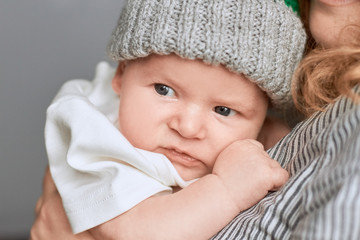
(189, 122)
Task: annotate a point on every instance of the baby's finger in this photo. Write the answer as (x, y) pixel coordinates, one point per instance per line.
(279, 177)
(256, 143)
(273, 163)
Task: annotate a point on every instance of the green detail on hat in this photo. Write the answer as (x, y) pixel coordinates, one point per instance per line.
(294, 4)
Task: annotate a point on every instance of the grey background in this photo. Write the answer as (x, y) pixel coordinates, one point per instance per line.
(43, 43)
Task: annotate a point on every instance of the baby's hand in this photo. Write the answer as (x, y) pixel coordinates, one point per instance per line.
(248, 173)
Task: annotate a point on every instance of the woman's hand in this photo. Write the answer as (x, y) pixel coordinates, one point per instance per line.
(50, 219)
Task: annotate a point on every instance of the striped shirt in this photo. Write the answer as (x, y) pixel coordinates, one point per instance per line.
(322, 198)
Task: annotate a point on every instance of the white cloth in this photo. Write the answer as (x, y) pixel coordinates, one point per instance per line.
(98, 173)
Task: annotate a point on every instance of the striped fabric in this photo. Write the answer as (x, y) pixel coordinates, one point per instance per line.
(322, 198)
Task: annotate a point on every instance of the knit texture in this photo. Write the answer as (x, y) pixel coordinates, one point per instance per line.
(263, 39)
(294, 4)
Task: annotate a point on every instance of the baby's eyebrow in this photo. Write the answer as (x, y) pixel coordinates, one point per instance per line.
(167, 79)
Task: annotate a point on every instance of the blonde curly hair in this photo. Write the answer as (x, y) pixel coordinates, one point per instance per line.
(324, 75)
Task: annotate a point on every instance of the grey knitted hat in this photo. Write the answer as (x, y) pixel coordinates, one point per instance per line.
(263, 39)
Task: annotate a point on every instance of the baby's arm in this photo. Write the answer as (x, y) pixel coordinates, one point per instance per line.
(242, 175)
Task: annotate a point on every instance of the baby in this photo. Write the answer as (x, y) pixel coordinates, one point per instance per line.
(194, 82)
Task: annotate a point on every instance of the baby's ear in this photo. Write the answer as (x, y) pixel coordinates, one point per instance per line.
(116, 82)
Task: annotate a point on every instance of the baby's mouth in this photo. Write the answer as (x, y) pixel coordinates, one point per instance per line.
(177, 156)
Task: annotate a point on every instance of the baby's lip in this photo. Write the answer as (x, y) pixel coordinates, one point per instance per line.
(176, 155)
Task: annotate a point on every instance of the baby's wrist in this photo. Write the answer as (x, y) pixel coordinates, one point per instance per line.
(221, 186)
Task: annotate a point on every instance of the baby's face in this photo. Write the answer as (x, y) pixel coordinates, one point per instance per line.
(186, 110)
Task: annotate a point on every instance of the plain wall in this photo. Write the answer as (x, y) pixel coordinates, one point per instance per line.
(42, 45)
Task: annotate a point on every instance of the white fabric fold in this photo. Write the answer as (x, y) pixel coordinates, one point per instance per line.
(98, 173)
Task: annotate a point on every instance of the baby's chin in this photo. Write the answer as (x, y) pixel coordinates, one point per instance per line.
(189, 175)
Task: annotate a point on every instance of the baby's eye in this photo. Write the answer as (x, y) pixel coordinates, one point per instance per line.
(164, 90)
(225, 111)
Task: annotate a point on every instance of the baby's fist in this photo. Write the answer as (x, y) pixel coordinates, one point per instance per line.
(248, 173)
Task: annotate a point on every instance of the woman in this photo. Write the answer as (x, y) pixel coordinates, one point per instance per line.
(333, 28)
(322, 153)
